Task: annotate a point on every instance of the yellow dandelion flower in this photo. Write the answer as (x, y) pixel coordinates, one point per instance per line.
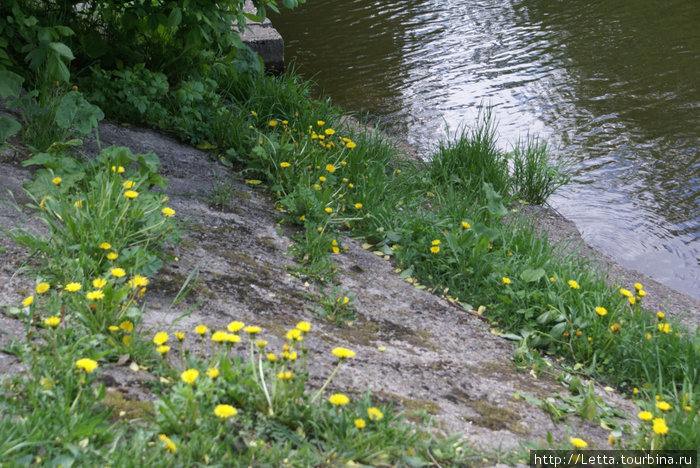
(219, 336)
(99, 283)
(86, 364)
(645, 416)
(578, 443)
(338, 399)
(52, 321)
(615, 327)
(329, 210)
(260, 343)
(127, 184)
(435, 249)
(284, 164)
(638, 286)
(41, 288)
(322, 179)
(271, 357)
(105, 246)
(201, 329)
(56, 181)
(659, 426)
(374, 414)
(118, 170)
(113, 328)
(304, 326)
(231, 338)
(343, 353)
(112, 256)
(189, 376)
(660, 315)
(212, 372)
(167, 211)
(160, 338)
(272, 123)
(505, 280)
(664, 327)
(73, 287)
(329, 131)
(436, 242)
(78, 204)
(466, 225)
(95, 295)
(235, 326)
(252, 330)
(127, 326)
(225, 411)
(573, 284)
(663, 406)
(287, 375)
(360, 423)
(602, 311)
(163, 349)
(169, 445)
(351, 145)
(632, 300)
(293, 334)
(641, 293)
(320, 123)
(330, 167)
(131, 194)
(117, 272)
(625, 292)
(138, 281)
(179, 335)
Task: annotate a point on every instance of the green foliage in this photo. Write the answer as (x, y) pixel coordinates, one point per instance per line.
(534, 179)
(133, 94)
(472, 159)
(10, 86)
(94, 228)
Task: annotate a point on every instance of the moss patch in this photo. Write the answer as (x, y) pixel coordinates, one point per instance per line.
(127, 409)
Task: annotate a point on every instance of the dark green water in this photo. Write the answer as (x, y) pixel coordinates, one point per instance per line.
(611, 85)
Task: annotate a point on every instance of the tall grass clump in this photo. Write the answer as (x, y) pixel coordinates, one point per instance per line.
(472, 158)
(534, 176)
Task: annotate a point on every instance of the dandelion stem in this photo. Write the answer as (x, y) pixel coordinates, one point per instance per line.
(330, 377)
(264, 386)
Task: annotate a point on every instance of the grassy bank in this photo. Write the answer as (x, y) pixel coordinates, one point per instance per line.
(441, 222)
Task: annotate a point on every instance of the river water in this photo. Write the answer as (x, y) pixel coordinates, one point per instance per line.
(612, 86)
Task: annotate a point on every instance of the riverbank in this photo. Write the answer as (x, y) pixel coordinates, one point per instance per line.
(304, 239)
(660, 297)
(414, 349)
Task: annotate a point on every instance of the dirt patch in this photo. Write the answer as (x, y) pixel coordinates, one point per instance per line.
(413, 348)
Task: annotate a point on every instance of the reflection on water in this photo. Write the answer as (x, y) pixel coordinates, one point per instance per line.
(612, 86)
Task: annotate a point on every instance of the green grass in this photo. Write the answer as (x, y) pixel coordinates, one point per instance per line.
(442, 222)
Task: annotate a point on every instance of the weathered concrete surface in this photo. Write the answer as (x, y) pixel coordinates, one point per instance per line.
(264, 39)
(438, 359)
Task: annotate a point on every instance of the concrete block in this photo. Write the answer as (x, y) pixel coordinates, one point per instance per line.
(264, 39)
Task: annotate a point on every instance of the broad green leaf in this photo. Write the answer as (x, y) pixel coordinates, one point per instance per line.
(8, 127)
(61, 49)
(495, 201)
(175, 17)
(10, 84)
(531, 276)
